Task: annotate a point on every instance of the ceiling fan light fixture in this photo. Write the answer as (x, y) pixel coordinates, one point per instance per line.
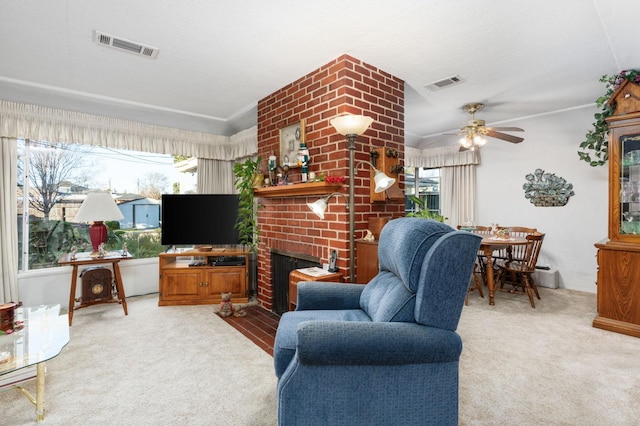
(466, 141)
(479, 140)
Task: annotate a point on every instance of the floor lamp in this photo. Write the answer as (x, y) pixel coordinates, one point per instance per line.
(351, 126)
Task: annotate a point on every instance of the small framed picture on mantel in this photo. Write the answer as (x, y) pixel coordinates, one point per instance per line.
(290, 139)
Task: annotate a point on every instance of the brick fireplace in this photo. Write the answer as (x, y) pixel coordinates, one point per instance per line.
(345, 85)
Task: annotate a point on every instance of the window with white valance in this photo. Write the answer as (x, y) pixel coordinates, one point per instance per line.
(457, 181)
(23, 121)
(32, 122)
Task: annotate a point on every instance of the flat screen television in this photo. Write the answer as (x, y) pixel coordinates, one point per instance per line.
(199, 219)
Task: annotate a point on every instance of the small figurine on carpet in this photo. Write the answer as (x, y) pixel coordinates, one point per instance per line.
(227, 309)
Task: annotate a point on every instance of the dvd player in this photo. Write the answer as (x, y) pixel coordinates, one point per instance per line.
(227, 261)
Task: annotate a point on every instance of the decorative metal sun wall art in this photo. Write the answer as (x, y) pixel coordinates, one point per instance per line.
(546, 189)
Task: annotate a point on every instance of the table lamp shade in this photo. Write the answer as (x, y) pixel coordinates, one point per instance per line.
(96, 208)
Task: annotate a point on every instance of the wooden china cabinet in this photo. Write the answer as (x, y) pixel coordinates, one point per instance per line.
(619, 255)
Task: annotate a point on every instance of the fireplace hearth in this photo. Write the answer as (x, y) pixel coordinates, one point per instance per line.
(282, 263)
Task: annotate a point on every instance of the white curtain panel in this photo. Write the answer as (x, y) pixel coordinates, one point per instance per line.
(40, 123)
(8, 220)
(215, 177)
(458, 194)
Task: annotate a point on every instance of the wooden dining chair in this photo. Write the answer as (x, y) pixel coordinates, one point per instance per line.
(475, 284)
(480, 269)
(517, 252)
(519, 272)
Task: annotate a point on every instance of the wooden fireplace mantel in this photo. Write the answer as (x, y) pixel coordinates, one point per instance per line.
(297, 190)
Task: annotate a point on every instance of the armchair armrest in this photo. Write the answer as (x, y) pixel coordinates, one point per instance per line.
(322, 295)
(375, 343)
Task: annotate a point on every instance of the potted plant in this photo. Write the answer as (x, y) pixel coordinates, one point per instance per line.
(595, 147)
(423, 212)
(247, 222)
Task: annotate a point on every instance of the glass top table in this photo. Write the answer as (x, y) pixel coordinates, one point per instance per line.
(40, 334)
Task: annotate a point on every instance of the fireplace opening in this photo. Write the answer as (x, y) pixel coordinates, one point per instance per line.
(282, 263)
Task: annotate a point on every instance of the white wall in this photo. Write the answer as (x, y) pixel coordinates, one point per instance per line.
(51, 286)
(551, 143)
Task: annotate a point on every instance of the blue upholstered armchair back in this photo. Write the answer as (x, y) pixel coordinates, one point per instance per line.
(402, 250)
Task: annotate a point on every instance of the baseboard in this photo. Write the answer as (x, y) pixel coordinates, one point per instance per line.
(546, 278)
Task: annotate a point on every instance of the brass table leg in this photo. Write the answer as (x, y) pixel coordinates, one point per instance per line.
(38, 401)
(40, 391)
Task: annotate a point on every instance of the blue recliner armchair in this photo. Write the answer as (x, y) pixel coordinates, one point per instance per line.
(385, 353)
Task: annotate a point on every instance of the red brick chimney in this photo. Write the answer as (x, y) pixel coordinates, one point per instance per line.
(345, 85)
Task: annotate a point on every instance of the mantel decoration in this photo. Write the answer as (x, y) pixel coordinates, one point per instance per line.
(546, 189)
(290, 139)
(595, 147)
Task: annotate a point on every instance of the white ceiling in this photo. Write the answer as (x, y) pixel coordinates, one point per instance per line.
(217, 59)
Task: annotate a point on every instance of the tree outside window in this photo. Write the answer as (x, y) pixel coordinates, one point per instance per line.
(54, 178)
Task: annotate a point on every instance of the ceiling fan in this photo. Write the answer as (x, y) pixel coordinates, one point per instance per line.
(473, 134)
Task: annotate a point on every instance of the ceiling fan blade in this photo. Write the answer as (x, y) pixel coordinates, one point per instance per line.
(507, 129)
(503, 136)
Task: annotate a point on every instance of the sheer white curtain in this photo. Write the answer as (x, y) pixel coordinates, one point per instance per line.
(457, 179)
(215, 177)
(8, 219)
(458, 194)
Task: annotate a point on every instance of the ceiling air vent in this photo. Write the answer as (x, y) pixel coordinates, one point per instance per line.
(445, 82)
(108, 40)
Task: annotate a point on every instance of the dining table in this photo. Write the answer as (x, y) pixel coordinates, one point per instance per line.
(488, 245)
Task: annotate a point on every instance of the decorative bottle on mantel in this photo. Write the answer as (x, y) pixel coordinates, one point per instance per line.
(303, 161)
(272, 168)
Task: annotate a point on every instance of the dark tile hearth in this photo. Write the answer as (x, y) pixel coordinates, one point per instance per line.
(259, 325)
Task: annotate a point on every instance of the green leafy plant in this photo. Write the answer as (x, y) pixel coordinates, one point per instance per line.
(595, 147)
(424, 212)
(247, 223)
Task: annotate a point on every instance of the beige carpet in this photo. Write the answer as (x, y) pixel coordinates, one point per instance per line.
(185, 366)
(169, 365)
(545, 366)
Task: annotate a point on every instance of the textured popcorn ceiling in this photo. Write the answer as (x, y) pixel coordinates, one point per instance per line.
(216, 59)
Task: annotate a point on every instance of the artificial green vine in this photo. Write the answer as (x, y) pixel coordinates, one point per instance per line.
(595, 147)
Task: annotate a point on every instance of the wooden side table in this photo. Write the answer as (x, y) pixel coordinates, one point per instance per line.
(367, 264)
(309, 274)
(84, 259)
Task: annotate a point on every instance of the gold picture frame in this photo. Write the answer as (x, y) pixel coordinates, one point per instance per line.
(290, 139)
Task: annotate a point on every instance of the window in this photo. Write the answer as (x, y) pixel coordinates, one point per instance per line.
(428, 184)
(54, 178)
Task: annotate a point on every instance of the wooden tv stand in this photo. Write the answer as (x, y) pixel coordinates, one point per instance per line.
(182, 284)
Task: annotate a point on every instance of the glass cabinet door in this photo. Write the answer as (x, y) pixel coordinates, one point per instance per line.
(629, 219)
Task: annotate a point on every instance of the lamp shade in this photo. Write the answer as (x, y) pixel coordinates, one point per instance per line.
(382, 181)
(351, 124)
(318, 207)
(98, 207)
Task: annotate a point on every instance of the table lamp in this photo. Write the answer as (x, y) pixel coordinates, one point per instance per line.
(96, 208)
